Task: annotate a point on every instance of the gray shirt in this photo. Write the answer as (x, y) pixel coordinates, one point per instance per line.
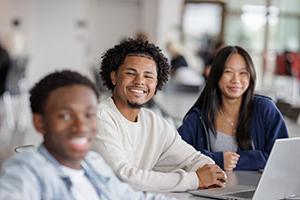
(222, 142)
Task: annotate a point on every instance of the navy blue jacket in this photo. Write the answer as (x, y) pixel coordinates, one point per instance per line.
(266, 126)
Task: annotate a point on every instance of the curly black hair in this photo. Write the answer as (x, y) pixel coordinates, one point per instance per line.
(41, 90)
(113, 58)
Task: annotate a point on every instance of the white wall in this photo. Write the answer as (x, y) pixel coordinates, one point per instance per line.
(168, 23)
(149, 18)
(54, 40)
(10, 9)
(109, 22)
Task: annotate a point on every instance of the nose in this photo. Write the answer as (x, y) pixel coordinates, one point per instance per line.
(80, 124)
(139, 79)
(235, 77)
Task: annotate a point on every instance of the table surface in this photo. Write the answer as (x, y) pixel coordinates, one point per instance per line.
(234, 178)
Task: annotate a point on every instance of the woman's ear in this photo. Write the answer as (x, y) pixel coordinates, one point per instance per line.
(39, 123)
(113, 77)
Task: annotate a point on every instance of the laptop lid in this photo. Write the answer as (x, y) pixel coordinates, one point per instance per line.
(281, 176)
(280, 179)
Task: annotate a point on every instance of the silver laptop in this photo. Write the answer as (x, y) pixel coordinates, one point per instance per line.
(280, 179)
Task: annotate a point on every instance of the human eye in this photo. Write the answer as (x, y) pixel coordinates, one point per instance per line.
(90, 115)
(149, 76)
(129, 72)
(65, 116)
(244, 73)
(227, 71)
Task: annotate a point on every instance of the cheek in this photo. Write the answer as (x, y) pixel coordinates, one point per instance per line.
(225, 78)
(152, 86)
(93, 124)
(95, 127)
(58, 126)
(124, 79)
(222, 82)
(246, 83)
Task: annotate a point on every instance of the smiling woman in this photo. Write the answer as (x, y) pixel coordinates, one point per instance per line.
(228, 122)
(235, 78)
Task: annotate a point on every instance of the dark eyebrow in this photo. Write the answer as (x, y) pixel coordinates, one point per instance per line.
(152, 73)
(229, 67)
(67, 108)
(146, 72)
(129, 68)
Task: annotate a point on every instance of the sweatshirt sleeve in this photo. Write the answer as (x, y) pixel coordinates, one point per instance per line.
(179, 154)
(174, 171)
(115, 188)
(192, 131)
(268, 126)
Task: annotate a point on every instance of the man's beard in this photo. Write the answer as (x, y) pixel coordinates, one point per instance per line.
(136, 105)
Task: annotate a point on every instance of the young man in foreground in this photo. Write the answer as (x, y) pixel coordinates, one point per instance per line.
(64, 108)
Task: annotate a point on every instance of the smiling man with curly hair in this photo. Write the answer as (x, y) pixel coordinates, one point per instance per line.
(143, 148)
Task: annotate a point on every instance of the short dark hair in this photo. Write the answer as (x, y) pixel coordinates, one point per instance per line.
(113, 58)
(210, 99)
(41, 90)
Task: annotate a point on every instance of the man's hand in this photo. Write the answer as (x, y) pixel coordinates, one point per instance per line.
(211, 175)
(230, 160)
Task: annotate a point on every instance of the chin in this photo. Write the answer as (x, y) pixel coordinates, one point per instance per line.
(78, 158)
(135, 104)
(235, 96)
(79, 155)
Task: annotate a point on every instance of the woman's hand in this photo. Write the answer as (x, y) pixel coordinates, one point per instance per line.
(230, 160)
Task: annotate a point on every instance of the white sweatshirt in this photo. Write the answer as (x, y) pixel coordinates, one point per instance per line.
(148, 154)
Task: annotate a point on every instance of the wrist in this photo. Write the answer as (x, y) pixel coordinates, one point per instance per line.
(200, 182)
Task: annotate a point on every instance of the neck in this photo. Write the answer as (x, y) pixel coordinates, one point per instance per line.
(129, 113)
(231, 106)
(74, 164)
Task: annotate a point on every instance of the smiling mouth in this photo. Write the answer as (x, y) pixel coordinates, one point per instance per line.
(137, 91)
(80, 144)
(79, 140)
(234, 88)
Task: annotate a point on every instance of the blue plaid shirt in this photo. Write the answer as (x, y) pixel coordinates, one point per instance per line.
(37, 175)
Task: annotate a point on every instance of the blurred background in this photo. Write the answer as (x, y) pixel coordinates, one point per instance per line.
(40, 36)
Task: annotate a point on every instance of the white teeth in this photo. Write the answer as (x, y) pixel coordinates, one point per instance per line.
(80, 140)
(137, 91)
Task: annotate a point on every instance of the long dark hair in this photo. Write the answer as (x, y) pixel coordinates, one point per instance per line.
(210, 100)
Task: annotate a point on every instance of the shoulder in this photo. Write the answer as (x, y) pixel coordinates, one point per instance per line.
(193, 114)
(24, 157)
(191, 122)
(265, 106)
(106, 106)
(150, 118)
(107, 112)
(148, 113)
(263, 102)
(262, 98)
(25, 161)
(20, 176)
(93, 157)
(156, 128)
(98, 163)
